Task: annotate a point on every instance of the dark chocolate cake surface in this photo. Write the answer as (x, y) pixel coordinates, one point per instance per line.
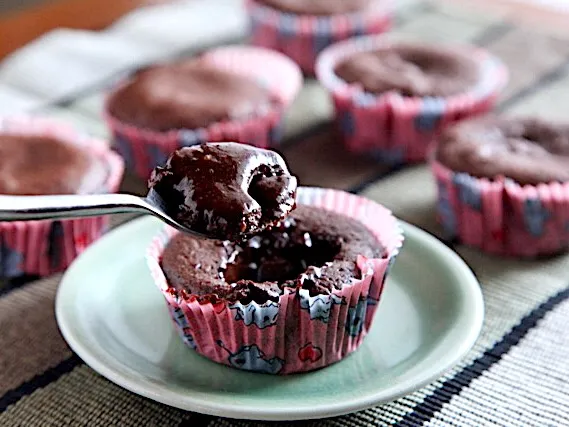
(187, 95)
(412, 70)
(225, 190)
(36, 165)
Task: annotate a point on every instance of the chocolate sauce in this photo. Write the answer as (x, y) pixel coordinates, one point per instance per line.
(225, 190)
(280, 255)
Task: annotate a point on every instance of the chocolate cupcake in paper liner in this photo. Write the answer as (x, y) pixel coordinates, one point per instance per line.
(503, 185)
(230, 93)
(393, 97)
(292, 299)
(302, 29)
(51, 158)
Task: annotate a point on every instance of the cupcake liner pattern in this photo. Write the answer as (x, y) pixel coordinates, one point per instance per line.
(502, 217)
(41, 248)
(144, 149)
(397, 129)
(298, 332)
(303, 37)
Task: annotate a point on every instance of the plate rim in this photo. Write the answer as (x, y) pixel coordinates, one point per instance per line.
(167, 396)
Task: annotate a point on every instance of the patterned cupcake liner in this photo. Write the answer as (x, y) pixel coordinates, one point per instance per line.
(144, 149)
(41, 248)
(303, 37)
(299, 332)
(397, 129)
(502, 217)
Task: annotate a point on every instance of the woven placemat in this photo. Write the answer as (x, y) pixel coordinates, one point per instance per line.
(517, 374)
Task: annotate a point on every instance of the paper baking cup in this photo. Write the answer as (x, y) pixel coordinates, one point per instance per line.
(394, 128)
(502, 217)
(303, 37)
(144, 149)
(41, 248)
(299, 332)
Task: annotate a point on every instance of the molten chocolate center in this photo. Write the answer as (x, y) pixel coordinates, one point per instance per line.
(279, 256)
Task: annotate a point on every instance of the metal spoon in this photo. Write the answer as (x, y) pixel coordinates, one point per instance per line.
(24, 208)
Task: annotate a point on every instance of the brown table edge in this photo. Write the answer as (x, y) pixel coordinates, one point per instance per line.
(19, 27)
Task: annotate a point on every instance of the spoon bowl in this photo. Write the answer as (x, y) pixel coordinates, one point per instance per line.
(69, 206)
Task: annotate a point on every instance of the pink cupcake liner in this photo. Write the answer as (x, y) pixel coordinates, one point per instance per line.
(394, 128)
(144, 149)
(299, 332)
(303, 37)
(502, 217)
(41, 248)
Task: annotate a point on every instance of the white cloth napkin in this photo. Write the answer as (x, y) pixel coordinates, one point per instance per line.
(64, 62)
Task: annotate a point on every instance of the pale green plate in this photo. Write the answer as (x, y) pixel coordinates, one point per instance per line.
(116, 320)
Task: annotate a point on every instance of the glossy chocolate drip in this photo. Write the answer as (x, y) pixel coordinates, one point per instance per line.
(527, 150)
(34, 165)
(411, 70)
(225, 190)
(187, 95)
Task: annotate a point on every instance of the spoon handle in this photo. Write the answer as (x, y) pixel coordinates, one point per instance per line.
(23, 208)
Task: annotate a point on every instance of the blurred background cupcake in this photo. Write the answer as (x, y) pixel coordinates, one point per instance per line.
(503, 185)
(227, 94)
(43, 157)
(392, 98)
(301, 29)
